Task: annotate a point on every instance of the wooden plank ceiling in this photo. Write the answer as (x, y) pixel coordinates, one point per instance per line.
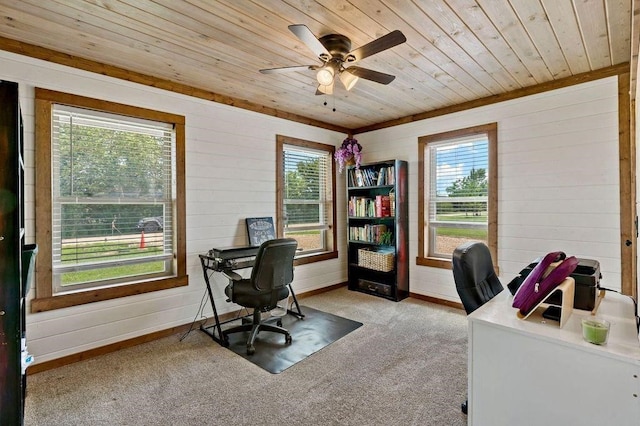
(457, 51)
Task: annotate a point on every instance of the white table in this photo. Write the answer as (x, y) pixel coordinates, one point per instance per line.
(532, 372)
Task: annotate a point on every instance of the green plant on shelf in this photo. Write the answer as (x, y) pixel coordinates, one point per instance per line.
(386, 238)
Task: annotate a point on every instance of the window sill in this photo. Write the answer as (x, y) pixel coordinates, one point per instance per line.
(98, 295)
(315, 257)
(442, 263)
(434, 262)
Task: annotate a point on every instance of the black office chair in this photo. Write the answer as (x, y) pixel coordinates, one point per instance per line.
(272, 273)
(475, 277)
(476, 280)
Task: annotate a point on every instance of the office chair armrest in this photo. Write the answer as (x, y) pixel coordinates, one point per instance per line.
(232, 276)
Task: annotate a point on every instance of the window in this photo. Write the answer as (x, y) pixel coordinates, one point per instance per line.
(458, 195)
(110, 190)
(305, 197)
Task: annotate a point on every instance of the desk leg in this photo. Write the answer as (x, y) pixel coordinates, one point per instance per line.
(221, 338)
(299, 313)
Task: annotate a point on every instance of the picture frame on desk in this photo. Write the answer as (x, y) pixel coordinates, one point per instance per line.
(260, 229)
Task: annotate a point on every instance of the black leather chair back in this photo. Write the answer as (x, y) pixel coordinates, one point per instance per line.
(475, 277)
(273, 268)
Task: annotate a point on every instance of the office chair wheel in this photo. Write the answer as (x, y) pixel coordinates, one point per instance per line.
(279, 323)
(288, 339)
(464, 407)
(251, 350)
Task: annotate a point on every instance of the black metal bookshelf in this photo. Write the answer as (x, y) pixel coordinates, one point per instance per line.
(12, 245)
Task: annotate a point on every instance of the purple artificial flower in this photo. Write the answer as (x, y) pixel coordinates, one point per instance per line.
(350, 150)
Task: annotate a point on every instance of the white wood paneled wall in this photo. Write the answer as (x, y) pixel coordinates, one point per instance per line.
(558, 184)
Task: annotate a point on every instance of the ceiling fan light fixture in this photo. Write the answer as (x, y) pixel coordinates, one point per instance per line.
(334, 51)
(325, 75)
(349, 80)
(326, 90)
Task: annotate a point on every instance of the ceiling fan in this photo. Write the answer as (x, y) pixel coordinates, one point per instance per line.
(335, 54)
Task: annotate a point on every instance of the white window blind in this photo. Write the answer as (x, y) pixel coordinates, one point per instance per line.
(307, 193)
(113, 179)
(458, 192)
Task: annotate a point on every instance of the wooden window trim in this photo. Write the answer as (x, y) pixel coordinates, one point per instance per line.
(44, 299)
(491, 130)
(280, 142)
(628, 196)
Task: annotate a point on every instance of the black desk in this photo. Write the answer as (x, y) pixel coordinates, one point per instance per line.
(229, 259)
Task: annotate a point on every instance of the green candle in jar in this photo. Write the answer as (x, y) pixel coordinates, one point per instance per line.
(595, 331)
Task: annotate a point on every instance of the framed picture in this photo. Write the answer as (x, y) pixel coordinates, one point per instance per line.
(260, 229)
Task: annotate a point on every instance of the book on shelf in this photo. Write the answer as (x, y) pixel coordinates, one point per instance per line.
(359, 206)
(392, 202)
(372, 177)
(391, 176)
(380, 206)
(359, 180)
(382, 176)
(383, 206)
(368, 176)
(368, 233)
(386, 176)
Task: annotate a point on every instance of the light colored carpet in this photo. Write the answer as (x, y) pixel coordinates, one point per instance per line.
(407, 365)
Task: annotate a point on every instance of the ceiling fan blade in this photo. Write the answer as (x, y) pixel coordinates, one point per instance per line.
(325, 90)
(306, 36)
(288, 69)
(367, 74)
(385, 42)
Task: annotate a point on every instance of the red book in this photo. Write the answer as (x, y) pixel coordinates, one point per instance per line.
(385, 206)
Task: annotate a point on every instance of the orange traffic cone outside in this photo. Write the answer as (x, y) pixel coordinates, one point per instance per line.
(142, 245)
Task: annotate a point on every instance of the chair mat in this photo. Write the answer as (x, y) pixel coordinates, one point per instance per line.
(317, 330)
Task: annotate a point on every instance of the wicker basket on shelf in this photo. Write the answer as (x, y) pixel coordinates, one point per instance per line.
(376, 260)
